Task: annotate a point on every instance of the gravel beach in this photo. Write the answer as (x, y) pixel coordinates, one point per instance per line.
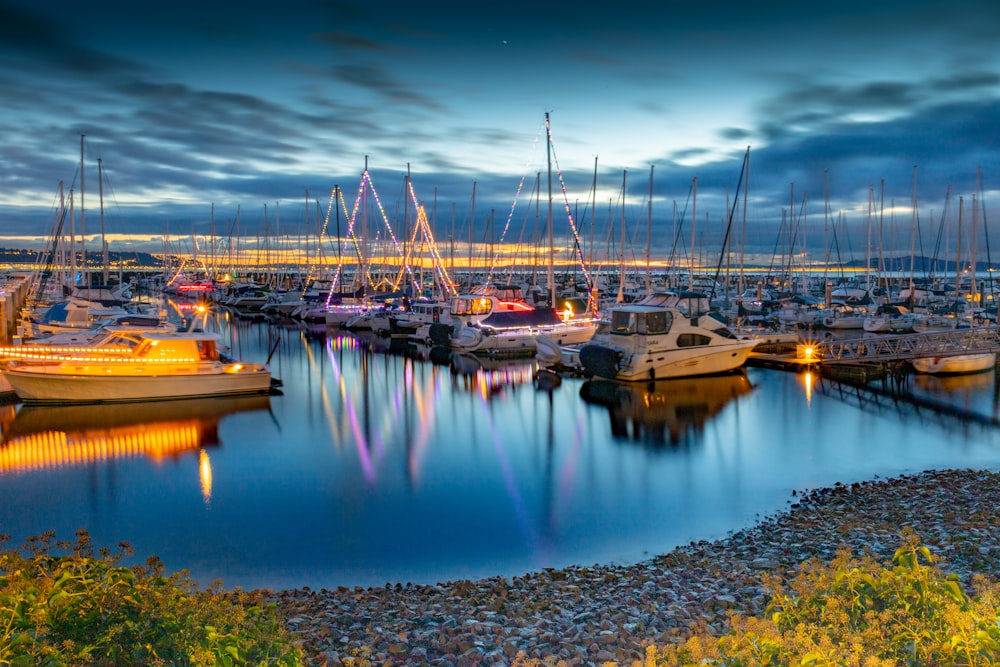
(590, 615)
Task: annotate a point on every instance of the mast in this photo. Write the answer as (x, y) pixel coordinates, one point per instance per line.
(83, 224)
(973, 289)
(826, 222)
(104, 242)
(958, 260)
(72, 238)
(472, 225)
(594, 290)
(214, 273)
(649, 233)
(534, 263)
(694, 219)
(406, 224)
(913, 235)
(621, 270)
(743, 231)
(868, 248)
(306, 240)
(551, 243)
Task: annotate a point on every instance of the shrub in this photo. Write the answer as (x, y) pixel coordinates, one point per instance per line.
(856, 612)
(81, 609)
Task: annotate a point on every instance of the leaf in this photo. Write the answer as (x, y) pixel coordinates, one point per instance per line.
(954, 591)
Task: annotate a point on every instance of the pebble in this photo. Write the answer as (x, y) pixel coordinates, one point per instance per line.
(598, 614)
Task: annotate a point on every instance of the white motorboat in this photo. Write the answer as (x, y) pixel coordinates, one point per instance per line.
(890, 318)
(652, 340)
(956, 364)
(162, 365)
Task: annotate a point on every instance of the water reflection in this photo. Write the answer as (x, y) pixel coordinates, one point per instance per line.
(664, 411)
(46, 437)
(951, 384)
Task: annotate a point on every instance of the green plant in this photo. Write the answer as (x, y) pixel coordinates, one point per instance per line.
(854, 612)
(81, 608)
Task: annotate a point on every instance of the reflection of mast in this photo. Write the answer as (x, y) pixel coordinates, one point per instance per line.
(550, 448)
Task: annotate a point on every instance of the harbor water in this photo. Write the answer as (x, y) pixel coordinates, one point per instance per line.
(384, 462)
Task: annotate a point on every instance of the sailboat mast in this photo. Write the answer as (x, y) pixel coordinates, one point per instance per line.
(104, 241)
(306, 240)
(472, 226)
(694, 219)
(958, 259)
(534, 263)
(743, 228)
(551, 244)
(72, 238)
(649, 233)
(868, 248)
(83, 224)
(913, 235)
(621, 269)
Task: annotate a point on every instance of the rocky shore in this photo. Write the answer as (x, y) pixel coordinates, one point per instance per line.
(590, 615)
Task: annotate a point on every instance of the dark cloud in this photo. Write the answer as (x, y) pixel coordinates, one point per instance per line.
(35, 41)
(351, 41)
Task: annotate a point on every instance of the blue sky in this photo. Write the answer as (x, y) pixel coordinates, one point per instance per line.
(190, 105)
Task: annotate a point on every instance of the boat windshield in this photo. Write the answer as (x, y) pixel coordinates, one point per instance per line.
(624, 322)
(470, 306)
(207, 350)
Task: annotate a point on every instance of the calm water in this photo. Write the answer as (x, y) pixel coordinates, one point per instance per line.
(380, 465)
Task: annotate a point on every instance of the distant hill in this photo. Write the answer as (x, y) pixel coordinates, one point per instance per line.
(25, 257)
(921, 265)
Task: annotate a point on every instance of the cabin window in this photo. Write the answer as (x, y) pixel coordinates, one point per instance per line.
(692, 340)
(206, 350)
(622, 322)
(658, 322)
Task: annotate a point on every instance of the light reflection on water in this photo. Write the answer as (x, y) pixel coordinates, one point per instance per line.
(383, 462)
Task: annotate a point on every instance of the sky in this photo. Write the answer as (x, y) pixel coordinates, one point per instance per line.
(204, 112)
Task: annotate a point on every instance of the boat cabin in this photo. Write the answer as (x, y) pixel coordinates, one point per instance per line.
(182, 348)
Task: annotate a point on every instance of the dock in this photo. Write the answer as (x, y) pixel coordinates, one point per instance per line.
(874, 356)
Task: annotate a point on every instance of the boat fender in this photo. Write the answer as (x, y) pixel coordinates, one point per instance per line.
(469, 337)
(547, 351)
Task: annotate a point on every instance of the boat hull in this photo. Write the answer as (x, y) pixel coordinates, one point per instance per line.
(677, 363)
(958, 364)
(32, 386)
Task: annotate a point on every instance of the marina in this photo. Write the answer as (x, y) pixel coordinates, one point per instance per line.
(381, 460)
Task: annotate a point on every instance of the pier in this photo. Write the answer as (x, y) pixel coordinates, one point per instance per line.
(882, 349)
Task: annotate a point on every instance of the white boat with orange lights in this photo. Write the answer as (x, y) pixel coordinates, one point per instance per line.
(162, 365)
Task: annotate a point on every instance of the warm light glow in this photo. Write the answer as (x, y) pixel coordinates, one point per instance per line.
(205, 475)
(58, 449)
(807, 353)
(807, 380)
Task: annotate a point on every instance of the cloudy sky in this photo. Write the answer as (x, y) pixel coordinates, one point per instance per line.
(195, 105)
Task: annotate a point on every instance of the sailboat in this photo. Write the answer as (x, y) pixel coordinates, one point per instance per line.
(958, 363)
(518, 329)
